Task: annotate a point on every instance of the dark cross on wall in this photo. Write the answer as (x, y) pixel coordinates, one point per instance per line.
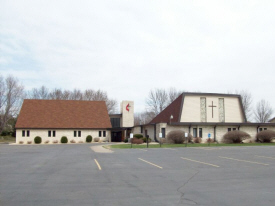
(212, 108)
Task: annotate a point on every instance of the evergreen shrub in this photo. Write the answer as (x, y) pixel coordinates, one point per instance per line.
(89, 138)
(64, 139)
(37, 140)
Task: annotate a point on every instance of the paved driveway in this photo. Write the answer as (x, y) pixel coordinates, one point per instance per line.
(77, 175)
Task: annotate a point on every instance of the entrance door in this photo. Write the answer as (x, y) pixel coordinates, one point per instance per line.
(116, 136)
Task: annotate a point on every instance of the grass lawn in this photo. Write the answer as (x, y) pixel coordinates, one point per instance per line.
(7, 139)
(135, 146)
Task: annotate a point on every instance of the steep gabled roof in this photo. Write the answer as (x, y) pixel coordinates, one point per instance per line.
(63, 114)
(173, 109)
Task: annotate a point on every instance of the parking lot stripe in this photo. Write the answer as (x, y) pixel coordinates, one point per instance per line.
(243, 160)
(200, 162)
(150, 163)
(169, 148)
(98, 164)
(265, 157)
(143, 150)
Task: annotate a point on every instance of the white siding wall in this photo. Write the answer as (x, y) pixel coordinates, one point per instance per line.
(191, 109)
(59, 133)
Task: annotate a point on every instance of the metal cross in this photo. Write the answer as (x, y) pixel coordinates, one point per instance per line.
(212, 109)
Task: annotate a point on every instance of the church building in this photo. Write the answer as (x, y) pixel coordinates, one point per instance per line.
(52, 119)
(201, 114)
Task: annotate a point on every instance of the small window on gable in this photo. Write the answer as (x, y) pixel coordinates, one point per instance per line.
(28, 133)
(54, 133)
(74, 133)
(99, 133)
(49, 133)
(79, 133)
(104, 133)
(23, 133)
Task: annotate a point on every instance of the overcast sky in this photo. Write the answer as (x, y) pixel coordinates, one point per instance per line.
(129, 47)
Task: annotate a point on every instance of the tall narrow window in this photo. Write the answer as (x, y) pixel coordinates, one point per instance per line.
(141, 129)
(163, 132)
(200, 132)
(195, 132)
(28, 133)
(79, 133)
(23, 133)
(54, 133)
(228, 129)
(104, 133)
(74, 133)
(49, 133)
(99, 133)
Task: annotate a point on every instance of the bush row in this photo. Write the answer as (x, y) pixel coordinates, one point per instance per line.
(64, 139)
(178, 137)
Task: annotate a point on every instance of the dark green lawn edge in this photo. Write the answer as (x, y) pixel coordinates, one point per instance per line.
(128, 146)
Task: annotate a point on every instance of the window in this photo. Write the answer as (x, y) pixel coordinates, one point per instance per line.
(28, 133)
(79, 133)
(228, 129)
(261, 129)
(265, 128)
(74, 133)
(141, 129)
(49, 133)
(234, 129)
(54, 133)
(104, 133)
(195, 132)
(163, 132)
(200, 132)
(23, 133)
(115, 122)
(99, 133)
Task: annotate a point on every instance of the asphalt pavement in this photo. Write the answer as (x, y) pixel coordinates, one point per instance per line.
(79, 175)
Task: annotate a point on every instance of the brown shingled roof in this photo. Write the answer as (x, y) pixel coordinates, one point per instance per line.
(173, 109)
(63, 114)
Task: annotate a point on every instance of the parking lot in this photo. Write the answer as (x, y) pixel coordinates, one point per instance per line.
(77, 175)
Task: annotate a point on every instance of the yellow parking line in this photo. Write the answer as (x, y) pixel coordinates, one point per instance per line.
(244, 161)
(200, 162)
(265, 157)
(150, 163)
(97, 164)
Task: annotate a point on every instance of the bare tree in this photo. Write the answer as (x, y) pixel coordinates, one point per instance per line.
(143, 118)
(76, 94)
(173, 94)
(38, 93)
(263, 111)
(11, 99)
(56, 94)
(246, 102)
(157, 101)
